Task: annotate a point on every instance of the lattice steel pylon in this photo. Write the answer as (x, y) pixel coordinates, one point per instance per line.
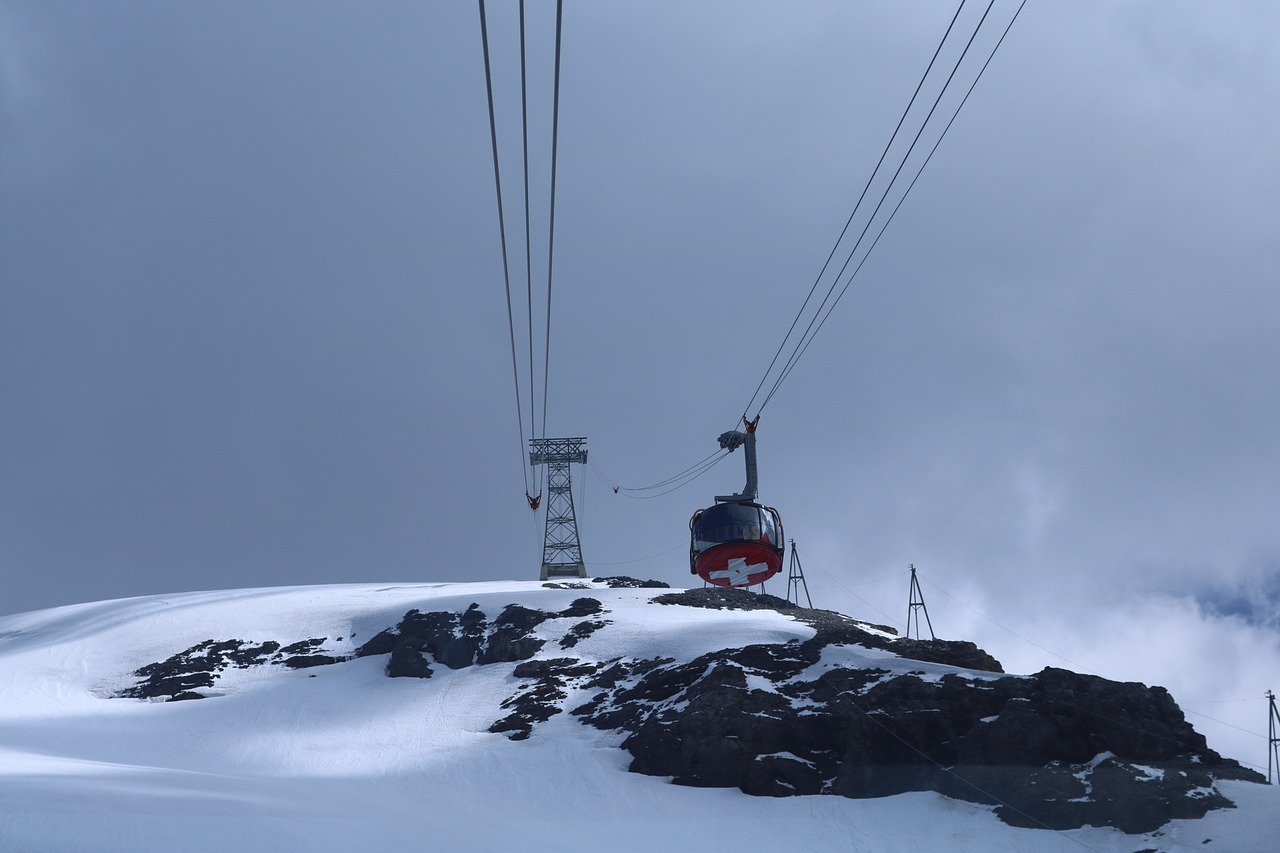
(561, 548)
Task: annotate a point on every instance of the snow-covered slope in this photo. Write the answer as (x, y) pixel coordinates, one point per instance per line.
(339, 757)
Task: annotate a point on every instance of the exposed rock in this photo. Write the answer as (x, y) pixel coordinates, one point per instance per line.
(581, 607)
(408, 662)
(1056, 749)
(540, 701)
(305, 654)
(462, 640)
(381, 643)
(184, 695)
(510, 639)
(624, 582)
(304, 647)
(724, 598)
(581, 631)
(196, 667)
(307, 661)
(836, 628)
(180, 676)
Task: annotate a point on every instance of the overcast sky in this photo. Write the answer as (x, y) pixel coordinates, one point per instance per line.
(253, 331)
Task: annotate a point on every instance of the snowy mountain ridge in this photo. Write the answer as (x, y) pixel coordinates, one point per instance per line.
(515, 709)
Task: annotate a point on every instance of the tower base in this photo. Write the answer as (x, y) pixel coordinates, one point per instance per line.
(569, 570)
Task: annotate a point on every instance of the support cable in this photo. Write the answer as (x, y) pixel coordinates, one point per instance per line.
(888, 619)
(528, 242)
(536, 428)
(1079, 666)
(1224, 723)
(791, 363)
(819, 318)
(674, 477)
(683, 478)
(715, 460)
(810, 331)
(856, 206)
(551, 226)
(502, 231)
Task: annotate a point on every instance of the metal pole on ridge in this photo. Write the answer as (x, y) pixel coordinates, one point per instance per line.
(1273, 737)
(915, 603)
(795, 578)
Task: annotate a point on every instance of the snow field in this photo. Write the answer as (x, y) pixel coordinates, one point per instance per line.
(342, 758)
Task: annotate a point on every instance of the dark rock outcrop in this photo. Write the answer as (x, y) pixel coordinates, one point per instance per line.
(1055, 750)
(722, 598)
(305, 654)
(581, 631)
(835, 628)
(462, 640)
(540, 701)
(624, 582)
(182, 674)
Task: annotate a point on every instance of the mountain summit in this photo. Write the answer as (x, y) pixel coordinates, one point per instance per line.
(492, 714)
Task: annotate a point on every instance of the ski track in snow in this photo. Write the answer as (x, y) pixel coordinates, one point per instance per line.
(342, 758)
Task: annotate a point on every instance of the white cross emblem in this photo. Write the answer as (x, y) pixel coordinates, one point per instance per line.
(737, 571)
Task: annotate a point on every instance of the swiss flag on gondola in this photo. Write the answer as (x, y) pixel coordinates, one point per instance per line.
(739, 564)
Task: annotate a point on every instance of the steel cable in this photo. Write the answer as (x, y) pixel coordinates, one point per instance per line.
(792, 362)
(534, 430)
(825, 308)
(551, 222)
(502, 231)
(810, 331)
(528, 242)
(856, 206)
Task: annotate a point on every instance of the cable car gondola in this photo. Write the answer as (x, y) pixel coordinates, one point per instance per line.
(737, 542)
